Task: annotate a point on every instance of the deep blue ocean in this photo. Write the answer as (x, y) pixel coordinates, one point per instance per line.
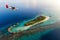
(9, 17)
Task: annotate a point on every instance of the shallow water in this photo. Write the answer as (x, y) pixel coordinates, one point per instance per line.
(9, 17)
(37, 35)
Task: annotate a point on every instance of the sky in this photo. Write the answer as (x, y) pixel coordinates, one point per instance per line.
(53, 3)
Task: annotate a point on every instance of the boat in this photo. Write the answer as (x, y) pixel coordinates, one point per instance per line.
(28, 25)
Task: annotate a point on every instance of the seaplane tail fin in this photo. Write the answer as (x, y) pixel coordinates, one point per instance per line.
(7, 6)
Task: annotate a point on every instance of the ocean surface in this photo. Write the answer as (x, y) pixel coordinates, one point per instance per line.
(10, 17)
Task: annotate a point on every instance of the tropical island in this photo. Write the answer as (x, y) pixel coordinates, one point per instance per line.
(38, 19)
(27, 25)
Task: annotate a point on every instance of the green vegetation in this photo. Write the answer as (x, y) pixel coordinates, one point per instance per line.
(38, 19)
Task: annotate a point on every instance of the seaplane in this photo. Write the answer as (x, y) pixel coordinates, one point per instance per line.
(10, 7)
